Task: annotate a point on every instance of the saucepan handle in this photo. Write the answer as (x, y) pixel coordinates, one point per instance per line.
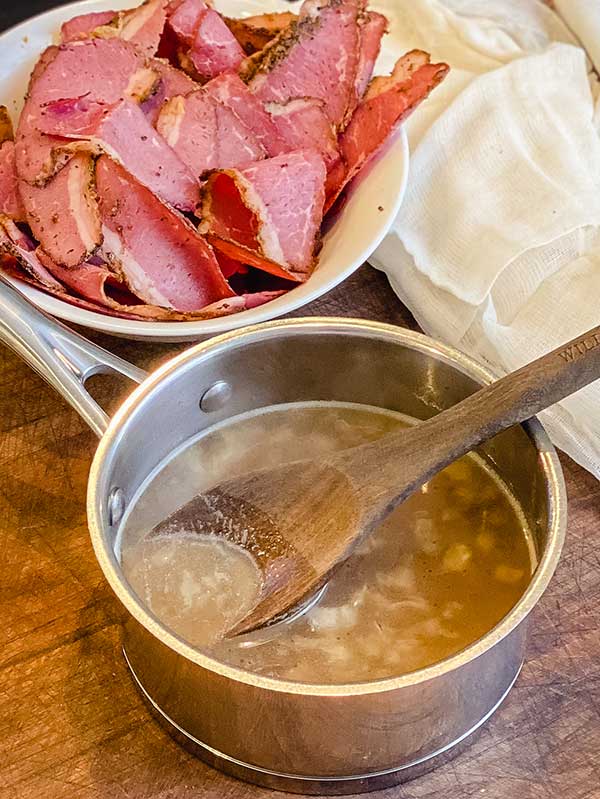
(63, 358)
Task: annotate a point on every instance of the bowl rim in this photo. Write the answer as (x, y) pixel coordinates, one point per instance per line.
(194, 329)
(549, 463)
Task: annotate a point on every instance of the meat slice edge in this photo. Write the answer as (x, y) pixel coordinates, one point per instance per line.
(81, 26)
(124, 132)
(63, 215)
(388, 101)
(6, 125)
(372, 28)
(230, 90)
(254, 33)
(206, 134)
(314, 57)
(142, 26)
(10, 199)
(163, 260)
(273, 207)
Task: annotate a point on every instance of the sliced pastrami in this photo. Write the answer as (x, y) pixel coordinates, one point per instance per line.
(89, 280)
(233, 252)
(388, 101)
(43, 62)
(206, 46)
(17, 245)
(102, 69)
(172, 83)
(142, 26)
(243, 302)
(124, 132)
(273, 208)
(254, 33)
(185, 18)
(206, 134)
(111, 296)
(372, 28)
(314, 57)
(303, 123)
(83, 25)
(17, 270)
(163, 260)
(10, 199)
(215, 48)
(97, 71)
(97, 284)
(230, 90)
(63, 214)
(101, 290)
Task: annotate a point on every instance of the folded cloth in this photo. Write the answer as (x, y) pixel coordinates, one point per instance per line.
(583, 19)
(496, 249)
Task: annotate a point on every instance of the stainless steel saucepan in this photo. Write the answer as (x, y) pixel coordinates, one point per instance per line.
(306, 738)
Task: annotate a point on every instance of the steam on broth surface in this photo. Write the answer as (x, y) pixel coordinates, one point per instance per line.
(440, 572)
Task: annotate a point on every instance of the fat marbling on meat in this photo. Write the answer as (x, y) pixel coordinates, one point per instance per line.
(207, 46)
(142, 26)
(303, 123)
(162, 258)
(230, 90)
(206, 134)
(123, 131)
(272, 208)
(317, 56)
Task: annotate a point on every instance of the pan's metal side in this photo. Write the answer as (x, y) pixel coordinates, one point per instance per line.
(295, 733)
(315, 785)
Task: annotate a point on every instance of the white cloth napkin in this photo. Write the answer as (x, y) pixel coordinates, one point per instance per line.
(496, 249)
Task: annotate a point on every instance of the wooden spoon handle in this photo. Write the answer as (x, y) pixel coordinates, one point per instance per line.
(408, 459)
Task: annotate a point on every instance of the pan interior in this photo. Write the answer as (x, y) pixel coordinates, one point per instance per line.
(441, 572)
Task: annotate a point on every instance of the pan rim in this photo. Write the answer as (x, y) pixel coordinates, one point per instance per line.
(549, 463)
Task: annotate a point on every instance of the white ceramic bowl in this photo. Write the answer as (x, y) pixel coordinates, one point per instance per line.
(357, 232)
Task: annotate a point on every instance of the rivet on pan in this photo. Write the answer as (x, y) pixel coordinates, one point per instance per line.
(215, 397)
(116, 506)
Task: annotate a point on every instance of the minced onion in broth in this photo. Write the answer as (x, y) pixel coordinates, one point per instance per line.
(440, 572)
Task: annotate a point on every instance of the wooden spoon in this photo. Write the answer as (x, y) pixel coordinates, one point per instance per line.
(302, 520)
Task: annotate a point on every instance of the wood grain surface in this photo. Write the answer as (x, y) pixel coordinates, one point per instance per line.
(72, 725)
(71, 722)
